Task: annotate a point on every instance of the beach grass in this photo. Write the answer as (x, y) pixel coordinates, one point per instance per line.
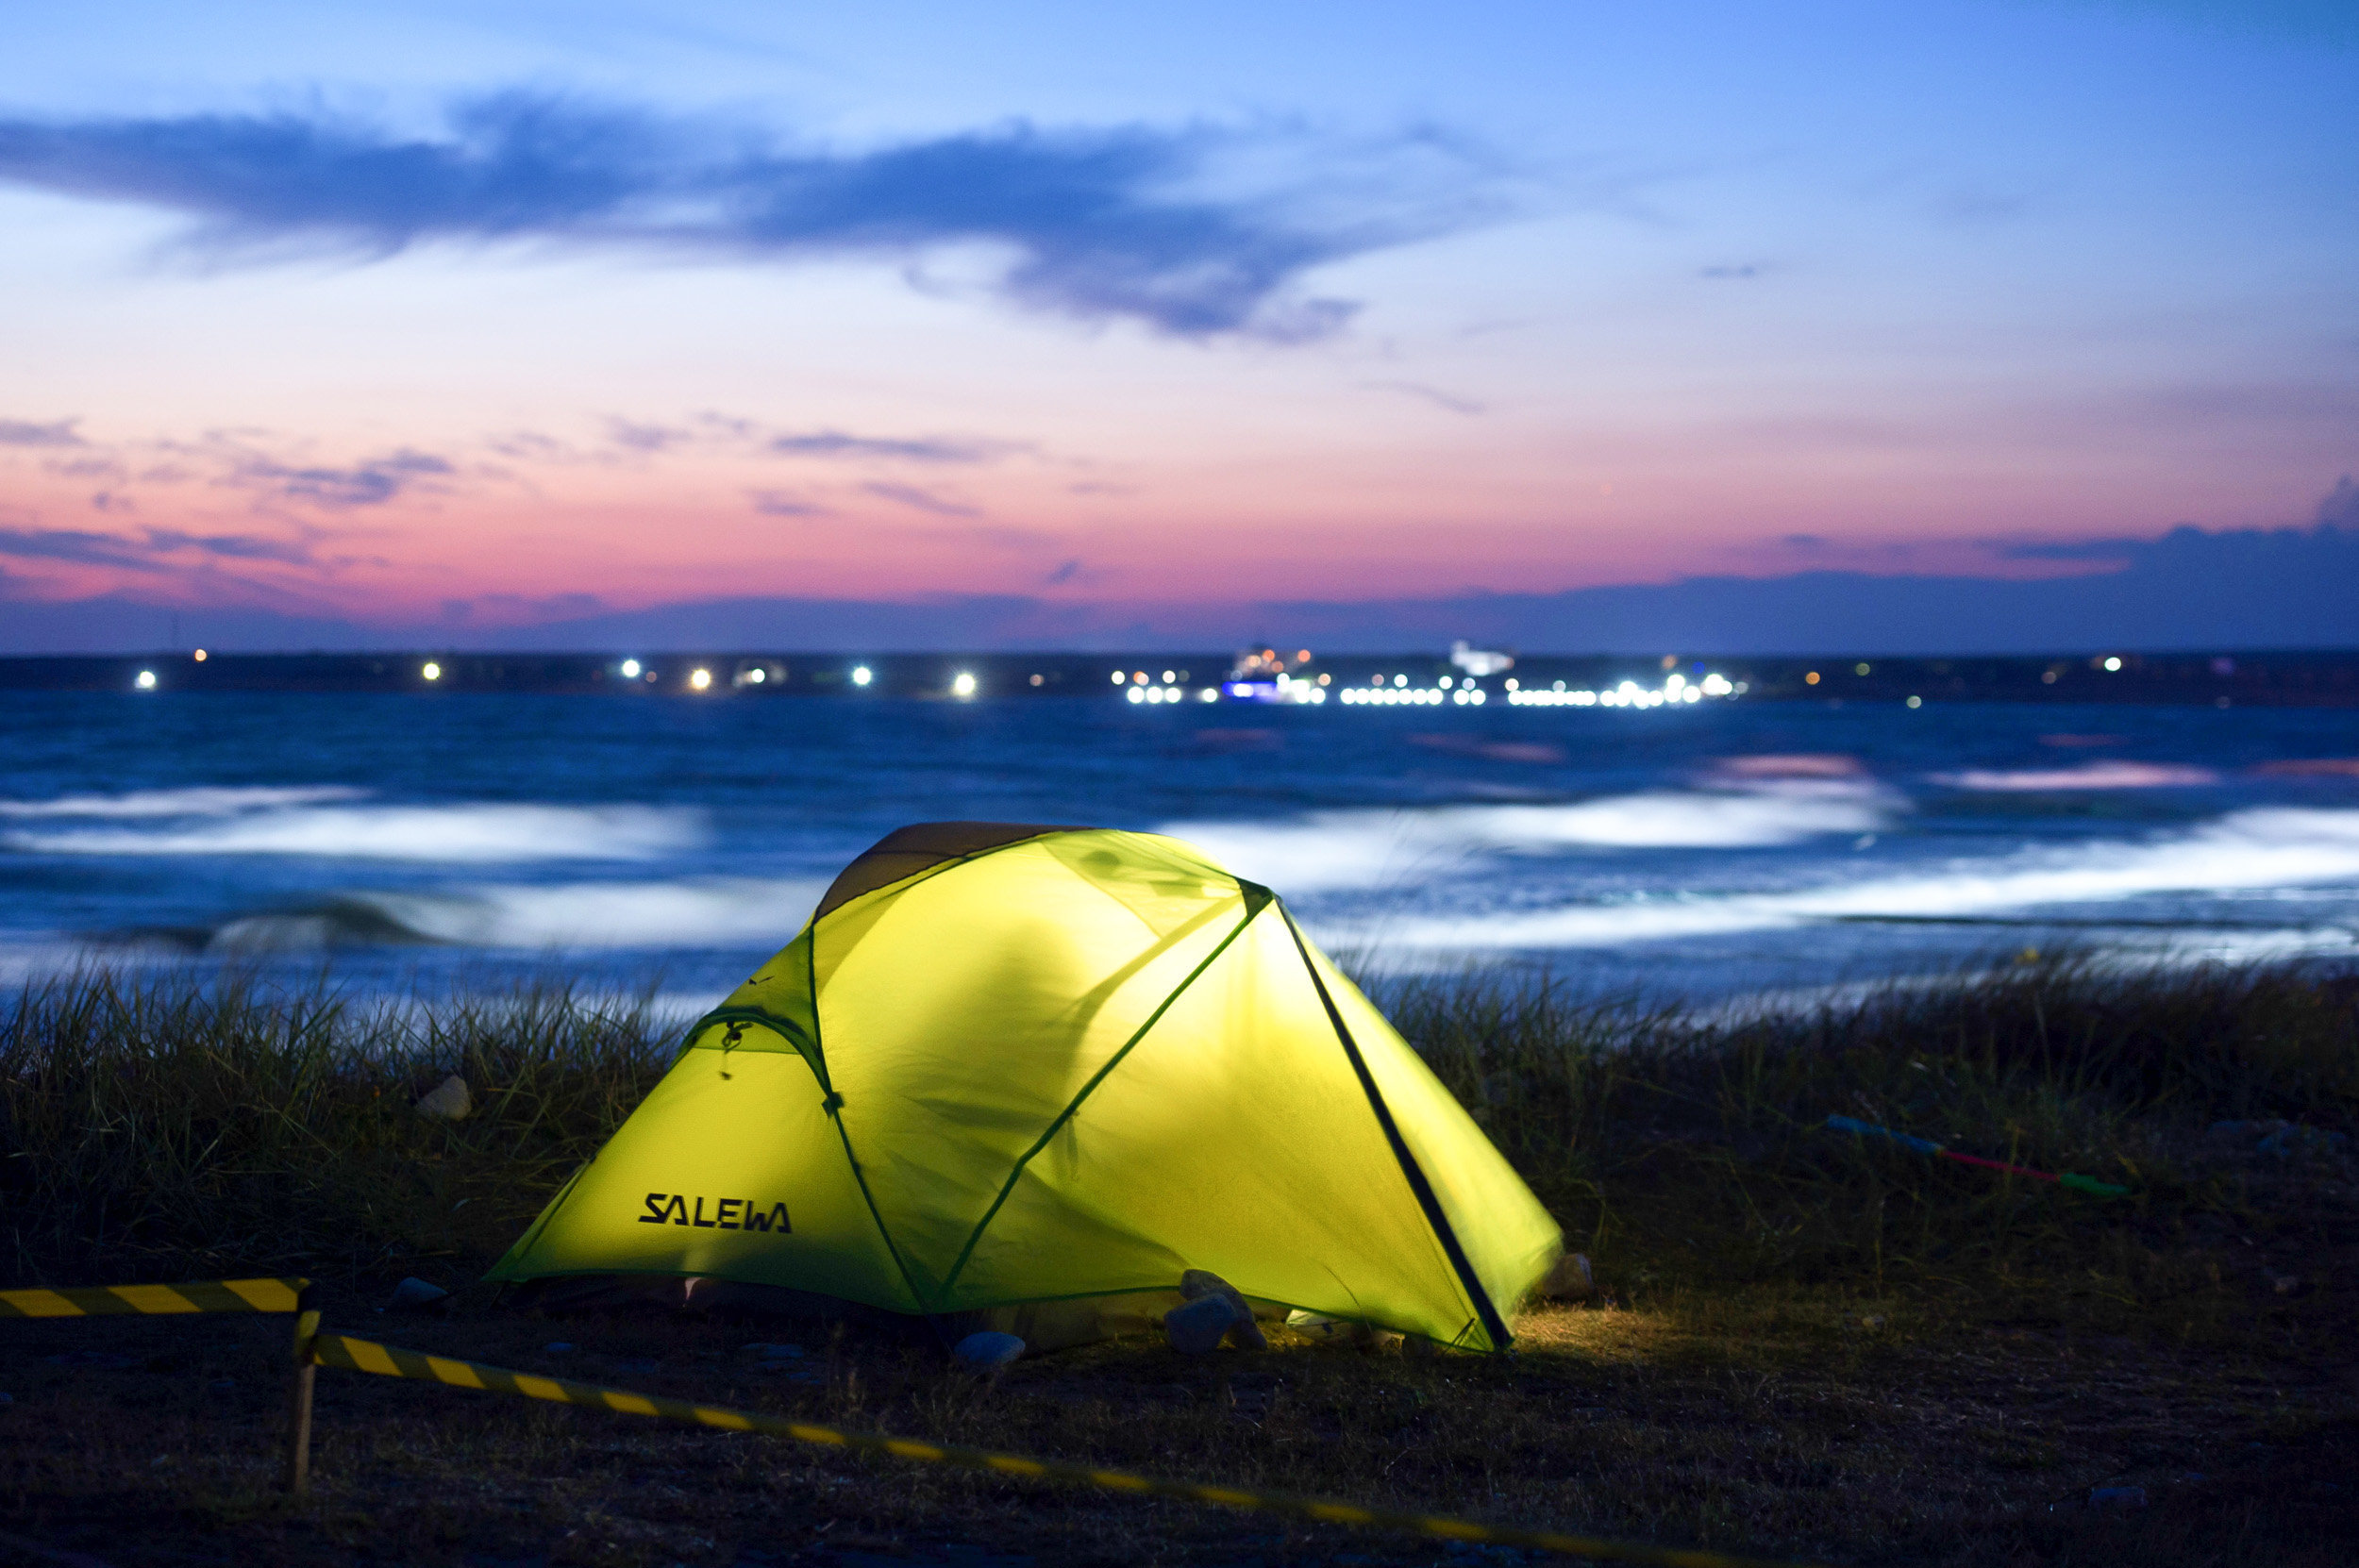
(1801, 1343)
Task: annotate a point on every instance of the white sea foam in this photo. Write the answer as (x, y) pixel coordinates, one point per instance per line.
(1368, 849)
(2265, 847)
(198, 801)
(2093, 775)
(468, 834)
(716, 912)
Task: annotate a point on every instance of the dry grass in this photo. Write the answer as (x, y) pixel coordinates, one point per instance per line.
(1803, 1346)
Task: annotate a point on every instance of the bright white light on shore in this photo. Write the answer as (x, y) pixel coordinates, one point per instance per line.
(962, 685)
(700, 679)
(2113, 663)
(860, 675)
(631, 669)
(1117, 677)
(146, 681)
(432, 671)
(1210, 693)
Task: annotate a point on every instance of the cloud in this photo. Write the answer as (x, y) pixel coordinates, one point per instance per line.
(778, 503)
(84, 548)
(2191, 589)
(20, 432)
(368, 484)
(510, 610)
(231, 546)
(923, 500)
(76, 545)
(2340, 508)
(920, 449)
(2115, 550)
(1197, 231)
(642, 438)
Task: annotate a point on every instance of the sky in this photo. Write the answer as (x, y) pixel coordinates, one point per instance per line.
(1805, 324)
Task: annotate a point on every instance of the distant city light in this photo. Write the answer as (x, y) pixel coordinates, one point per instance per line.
(1036, 680)
(1212, 693)
(755, 676)
(1117, 677)
(699, 679)
(1136, 693)
(963, 685)
(432, 671)
(1916, 702)
(1859, 669)
(146, 681)
(631, 669)
(200, 656)
(860, 675)
(1811, 679)
(2113, 663)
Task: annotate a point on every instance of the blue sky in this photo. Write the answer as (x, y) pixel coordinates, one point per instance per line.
(486, 317)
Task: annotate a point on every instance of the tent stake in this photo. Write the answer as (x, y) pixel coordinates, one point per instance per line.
(302, 1374)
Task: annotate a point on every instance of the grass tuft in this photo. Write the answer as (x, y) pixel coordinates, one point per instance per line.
(160, 1121)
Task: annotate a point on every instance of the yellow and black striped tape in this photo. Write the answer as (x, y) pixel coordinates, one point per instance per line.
(336, 1350)
(202, 1295)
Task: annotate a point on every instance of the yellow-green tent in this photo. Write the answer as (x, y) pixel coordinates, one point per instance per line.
(1010, 1064)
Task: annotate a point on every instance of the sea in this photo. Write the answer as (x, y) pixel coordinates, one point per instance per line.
(1706, 854)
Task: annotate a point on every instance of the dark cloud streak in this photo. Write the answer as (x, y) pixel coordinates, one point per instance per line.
(922, 449)
(1106, 224)
(20, 432)
(368, 484)
(920, 500)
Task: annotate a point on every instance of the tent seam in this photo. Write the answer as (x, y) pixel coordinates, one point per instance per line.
(1480, 1298)
(835, 1113)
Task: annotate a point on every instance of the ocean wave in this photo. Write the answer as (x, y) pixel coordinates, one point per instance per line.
(2092, 776)
(200, 801)
(2265, 847)
(714, 913)
(1326, 850)
(468, 834)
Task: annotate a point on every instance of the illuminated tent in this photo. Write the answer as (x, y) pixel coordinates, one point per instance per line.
(1007, 1064)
